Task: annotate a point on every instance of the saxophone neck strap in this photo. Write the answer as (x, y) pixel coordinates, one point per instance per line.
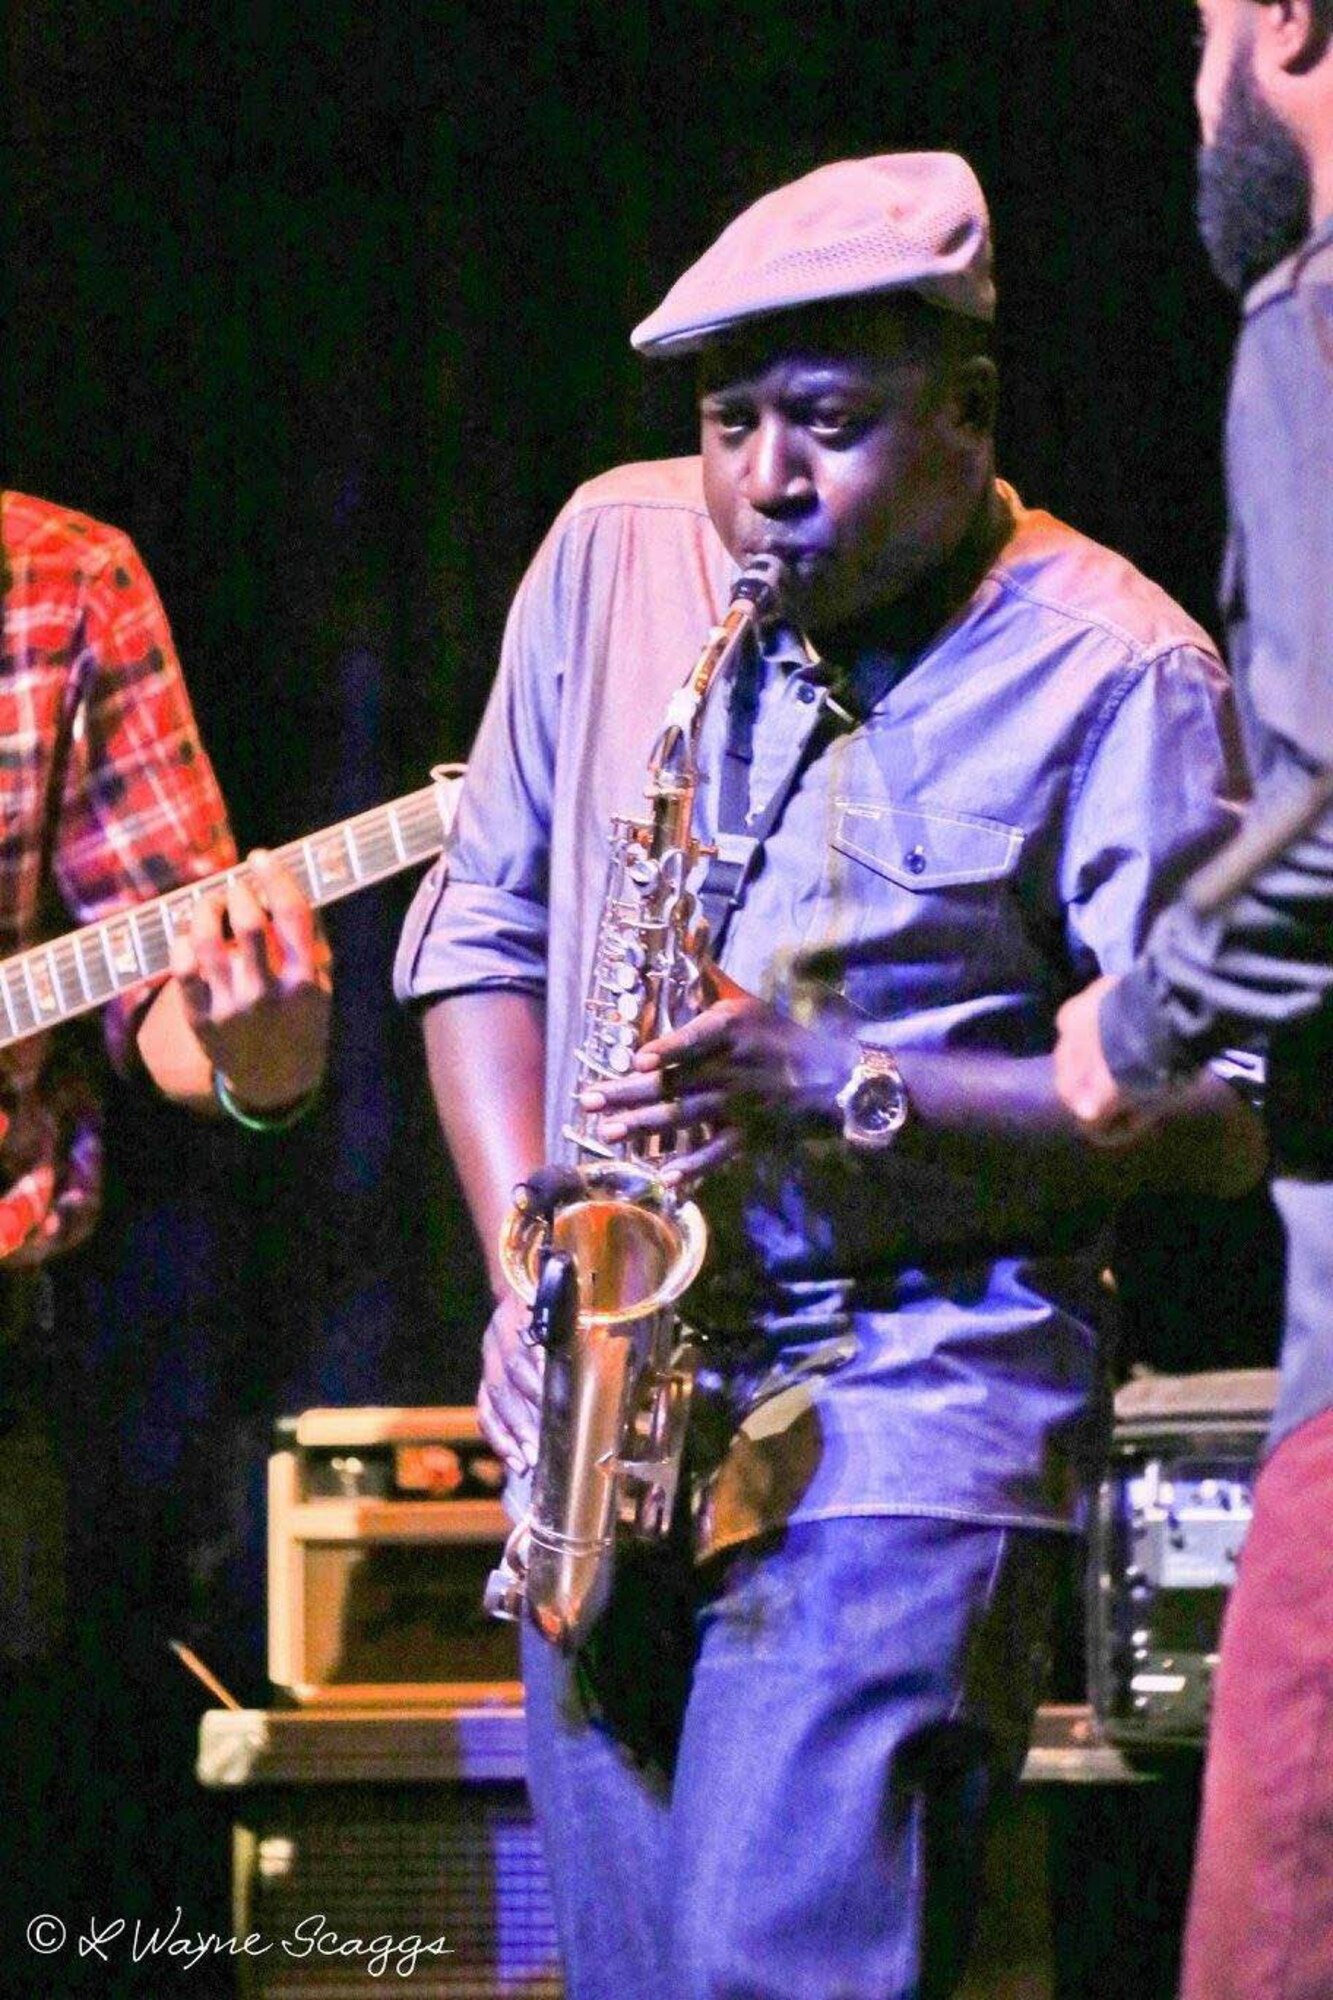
(741, 834)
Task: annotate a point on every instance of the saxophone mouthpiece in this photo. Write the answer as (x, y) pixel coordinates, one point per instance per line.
(761, 583)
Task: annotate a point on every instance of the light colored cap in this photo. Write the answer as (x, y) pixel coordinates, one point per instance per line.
(899, 222)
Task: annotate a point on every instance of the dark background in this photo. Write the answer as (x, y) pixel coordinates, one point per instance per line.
(327, 304)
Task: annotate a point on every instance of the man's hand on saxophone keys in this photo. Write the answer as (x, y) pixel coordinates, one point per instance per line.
(741, 1070)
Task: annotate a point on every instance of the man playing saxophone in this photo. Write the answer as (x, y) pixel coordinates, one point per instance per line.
(950, 778)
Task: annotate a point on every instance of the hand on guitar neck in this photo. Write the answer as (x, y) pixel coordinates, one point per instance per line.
(249, 997)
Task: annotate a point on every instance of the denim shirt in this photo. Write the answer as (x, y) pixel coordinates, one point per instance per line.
(1263, 969)
(1004, 823)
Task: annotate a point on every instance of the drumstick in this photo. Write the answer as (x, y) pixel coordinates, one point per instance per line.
(1263, 838)
(200, 1671)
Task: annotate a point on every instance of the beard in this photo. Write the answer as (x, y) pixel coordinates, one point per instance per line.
(1254, 185)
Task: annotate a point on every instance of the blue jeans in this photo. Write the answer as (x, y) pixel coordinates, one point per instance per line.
(771, 1781)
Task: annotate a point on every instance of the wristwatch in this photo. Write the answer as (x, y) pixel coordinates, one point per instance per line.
(874, 1102)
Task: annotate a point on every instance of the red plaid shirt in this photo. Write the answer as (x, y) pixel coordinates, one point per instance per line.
(106, 798)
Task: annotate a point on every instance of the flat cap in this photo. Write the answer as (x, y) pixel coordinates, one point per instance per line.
(898, 222)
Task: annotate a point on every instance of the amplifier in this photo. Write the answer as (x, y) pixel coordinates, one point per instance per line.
(359, 1835)
(1168, 1528)
(383, 1526)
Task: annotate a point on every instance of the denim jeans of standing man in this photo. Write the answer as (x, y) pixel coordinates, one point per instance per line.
(772, 1779)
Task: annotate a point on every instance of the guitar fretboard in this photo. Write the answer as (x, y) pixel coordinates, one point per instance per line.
(50, 983)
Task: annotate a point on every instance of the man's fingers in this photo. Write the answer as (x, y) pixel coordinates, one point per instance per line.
(508, 1425)
(207, 935)
(252, 965)
(524, 1365)
(183, 960)
(516, 1418)
(696, 1107)
(303, 949)
(689, 1167)
(511, 1389)
(1108, 1114)
(706, 1031)
(1090, 1091)
(244, 942)
(621, 1092)
(497, 1432)
(198, 959)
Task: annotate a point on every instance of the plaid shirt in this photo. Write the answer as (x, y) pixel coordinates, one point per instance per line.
(106, 798)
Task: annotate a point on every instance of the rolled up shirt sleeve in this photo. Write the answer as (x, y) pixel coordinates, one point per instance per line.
(479, 921)
(1205, 981)
(1209, 981)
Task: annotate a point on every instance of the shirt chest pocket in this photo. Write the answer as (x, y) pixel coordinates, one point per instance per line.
(925, 851)
(918, 900)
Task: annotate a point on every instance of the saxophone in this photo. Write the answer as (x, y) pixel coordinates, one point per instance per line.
(604, 1250)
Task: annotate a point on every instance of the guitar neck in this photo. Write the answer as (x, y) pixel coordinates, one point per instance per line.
(72, 975)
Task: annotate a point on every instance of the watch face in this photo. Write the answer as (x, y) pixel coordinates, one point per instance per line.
(874, 1101)
(878, 1106)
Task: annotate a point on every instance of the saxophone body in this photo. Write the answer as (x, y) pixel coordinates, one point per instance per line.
(605, 1249)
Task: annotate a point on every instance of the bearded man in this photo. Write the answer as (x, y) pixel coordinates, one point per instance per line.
(1261, 1918)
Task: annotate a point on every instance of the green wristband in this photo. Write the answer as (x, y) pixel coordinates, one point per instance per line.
(279, 1120)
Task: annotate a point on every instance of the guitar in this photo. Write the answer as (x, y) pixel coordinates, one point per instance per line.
(70, 975)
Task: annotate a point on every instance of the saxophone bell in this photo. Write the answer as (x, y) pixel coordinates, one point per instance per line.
(603, 1273)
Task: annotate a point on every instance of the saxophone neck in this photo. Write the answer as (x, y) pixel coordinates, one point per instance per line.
(673, 770)
(755, 594)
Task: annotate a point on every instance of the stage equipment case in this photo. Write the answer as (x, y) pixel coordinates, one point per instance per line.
(383, 1525)
(1169, 1524)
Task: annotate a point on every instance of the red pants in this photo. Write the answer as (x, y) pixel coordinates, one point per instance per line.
(1261, 1909)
